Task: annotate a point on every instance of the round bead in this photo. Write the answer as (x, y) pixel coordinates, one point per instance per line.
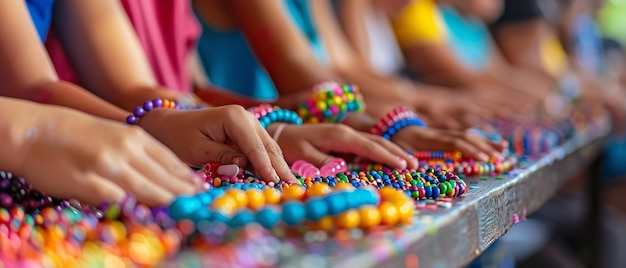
(293, 192)
(389, 213)
(256, 199)
(369, 217)
(267, 217)
(316, 208)
(183, 207)
(293, 213)
(336, 203)
(347, 220)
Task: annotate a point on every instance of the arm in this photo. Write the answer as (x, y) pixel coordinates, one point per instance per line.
(27, 71)
(102, 46)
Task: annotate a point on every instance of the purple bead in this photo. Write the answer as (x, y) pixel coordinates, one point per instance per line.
(131, 120)
(178, 107)
(139, 112)
(4, 183)
(157, 103)
(147, 105)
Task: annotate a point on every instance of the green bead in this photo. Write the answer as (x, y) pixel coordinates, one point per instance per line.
(443, 188)
(499, 178)
(448, 187)
(414, 182)
(415, 194)
(29, 219)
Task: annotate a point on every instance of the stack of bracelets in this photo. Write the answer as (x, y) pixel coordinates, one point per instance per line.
(396, 120)
(267, 115)
(330, 103)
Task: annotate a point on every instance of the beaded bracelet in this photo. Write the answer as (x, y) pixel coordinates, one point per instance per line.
(266, 114)
(396, 120)
(331, 102)
(148, 106)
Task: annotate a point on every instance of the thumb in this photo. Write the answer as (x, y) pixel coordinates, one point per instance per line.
(212, 152)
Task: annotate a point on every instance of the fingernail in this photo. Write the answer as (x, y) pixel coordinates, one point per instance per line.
(240, 161)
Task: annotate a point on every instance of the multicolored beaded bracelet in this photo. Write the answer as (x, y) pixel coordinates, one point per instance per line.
(396, 120)
(331, 102)
(267, 115)
(148, 106)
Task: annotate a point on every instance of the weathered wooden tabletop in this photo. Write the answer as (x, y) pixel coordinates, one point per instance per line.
(452, 237)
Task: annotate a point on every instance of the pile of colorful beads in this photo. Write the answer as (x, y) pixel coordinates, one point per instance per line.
(319, 207)
(331, 102)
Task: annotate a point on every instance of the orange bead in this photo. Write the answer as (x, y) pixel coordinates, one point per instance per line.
(256, 199)
(239, 196)
(217, 182)
(369, 217)
(293, 192)
(389, 214)
(347, 220)
(387, 192)
(318, 189)
(324, 224)
(166, 103)
(344, 185)
(272, 196)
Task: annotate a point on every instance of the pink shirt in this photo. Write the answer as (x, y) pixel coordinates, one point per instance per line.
(167, 30)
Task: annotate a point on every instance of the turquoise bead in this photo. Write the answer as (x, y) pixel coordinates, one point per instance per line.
(293, 213)
(267, 217)
(241, 219)
(183, 207)
(316, 209)
(337, 203)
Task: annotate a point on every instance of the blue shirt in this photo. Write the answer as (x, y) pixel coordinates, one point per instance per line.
(230, 63)
(469, 39)
(41, 15)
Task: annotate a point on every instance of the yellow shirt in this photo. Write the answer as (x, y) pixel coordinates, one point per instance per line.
(553, 56)
(420, 22)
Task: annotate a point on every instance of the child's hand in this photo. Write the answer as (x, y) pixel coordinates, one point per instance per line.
(209, 136)
(72, 154)
(429, 139)
(313, 143)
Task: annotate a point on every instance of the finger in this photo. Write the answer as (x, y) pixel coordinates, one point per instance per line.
(482, 144)
(363, 146)
(253, 147)
(156, 173)
(95, 190)
(137, 185)
(171, 165)
(279, 165)
(411, 162)
(314, 156)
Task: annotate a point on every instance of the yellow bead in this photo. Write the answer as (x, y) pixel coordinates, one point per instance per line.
(318, 189)
(337, 100)
(256, 199)
(397, 199)
(369, 217)
(313, 120)
(239, 196)
(272, 196)
(405, 211)
(293, 192)
(347, 220)
(324, 224)
(224, 204)
(388, 213)
(321, 106)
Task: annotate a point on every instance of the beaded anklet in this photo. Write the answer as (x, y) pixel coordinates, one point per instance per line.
(148, 106)
(331, 102)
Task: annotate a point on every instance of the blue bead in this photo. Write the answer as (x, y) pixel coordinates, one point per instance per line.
(267, 217)
(395, 185)
(316, 209)
(293, 213)
(241, 219)
(428, 191)
(245, 187)
(202, 214)
(336, 203)
(183, 207)
(220, 217)
(353, 199)
(205, 198)
(436, 192)
(332, 184)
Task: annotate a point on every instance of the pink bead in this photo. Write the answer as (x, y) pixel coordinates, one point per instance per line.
(334, 109)
(328, 170)
(228, 170)
(297, 164)
(311, 172)
(340, 165)
(304, 167)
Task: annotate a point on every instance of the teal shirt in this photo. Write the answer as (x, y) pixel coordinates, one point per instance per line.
(230, 63)
(469, 39)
